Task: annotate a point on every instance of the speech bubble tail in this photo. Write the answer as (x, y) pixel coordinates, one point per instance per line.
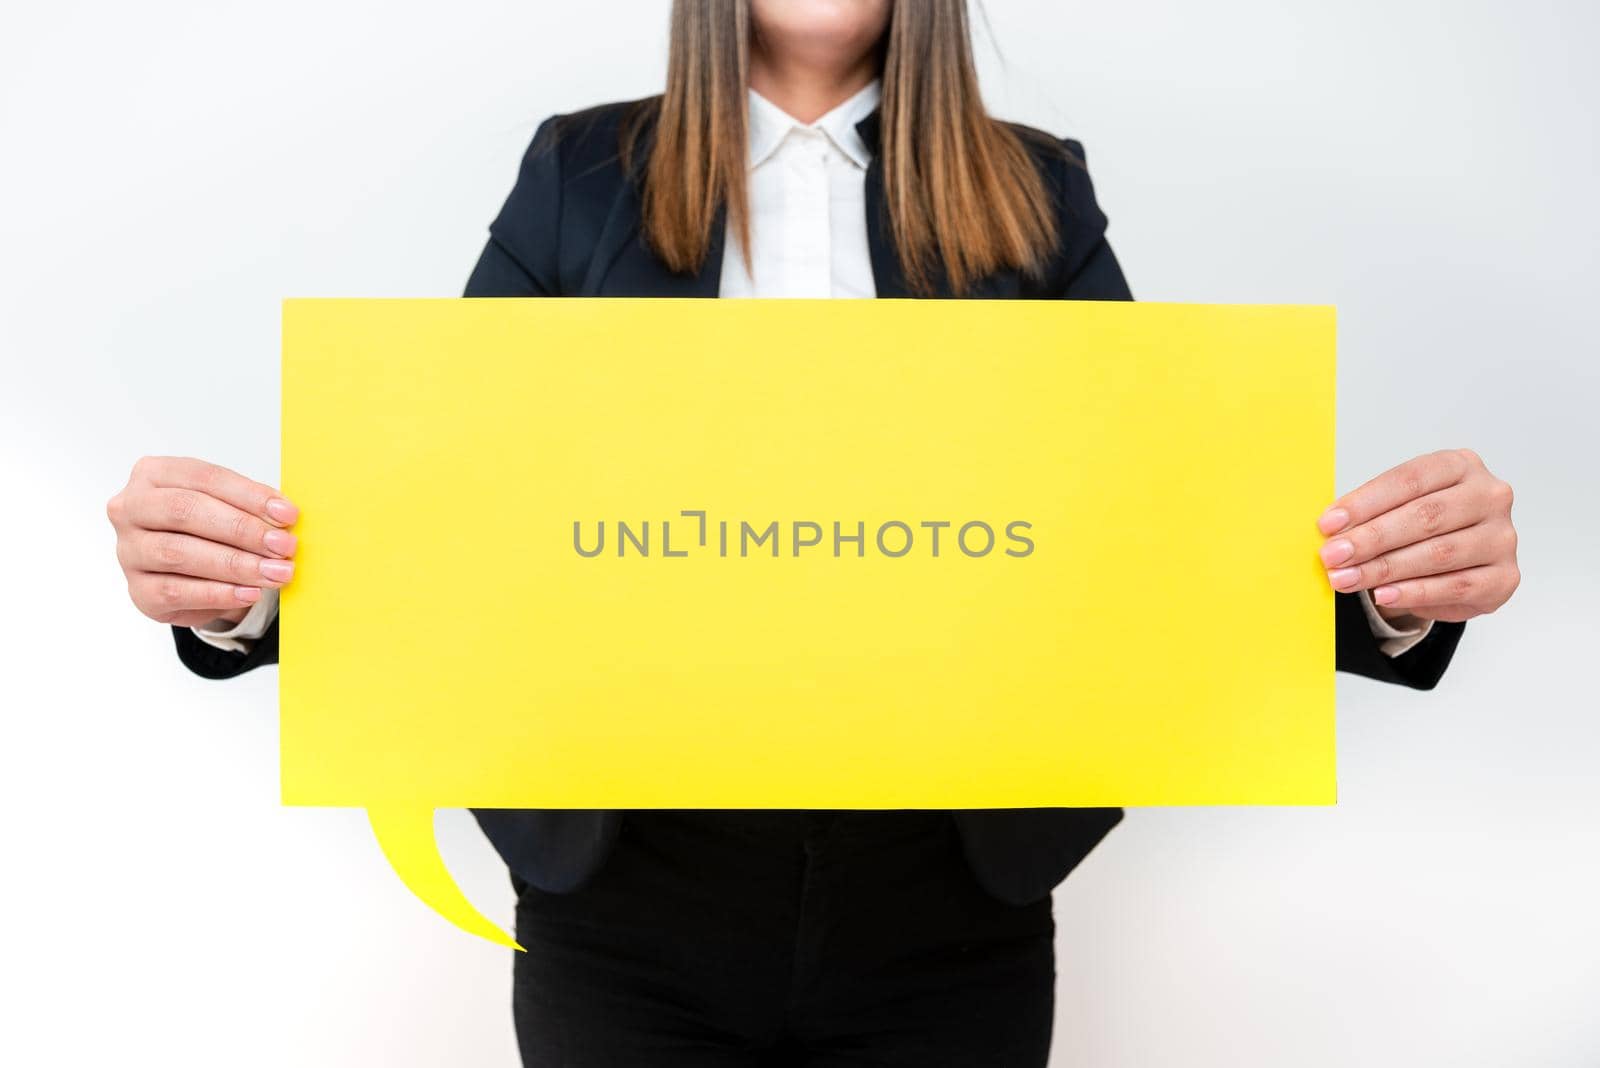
(405, 834)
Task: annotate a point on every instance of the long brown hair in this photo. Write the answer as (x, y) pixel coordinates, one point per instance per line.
(962, 190)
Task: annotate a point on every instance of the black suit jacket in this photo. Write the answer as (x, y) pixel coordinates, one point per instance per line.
(571, 228)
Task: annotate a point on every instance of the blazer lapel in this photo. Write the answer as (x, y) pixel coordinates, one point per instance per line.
(623, 266)
(707, 282)
(887, 277)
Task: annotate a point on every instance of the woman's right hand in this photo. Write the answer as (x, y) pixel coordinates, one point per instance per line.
(198, 542)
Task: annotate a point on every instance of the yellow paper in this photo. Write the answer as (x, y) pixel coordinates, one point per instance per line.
(1165, 636)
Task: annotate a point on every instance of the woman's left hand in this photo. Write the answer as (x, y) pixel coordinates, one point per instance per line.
(1431, 538)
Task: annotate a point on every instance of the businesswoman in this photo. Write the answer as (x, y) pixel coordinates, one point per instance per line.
(806, 148)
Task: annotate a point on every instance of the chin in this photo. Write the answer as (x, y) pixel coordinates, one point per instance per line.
(820, 29)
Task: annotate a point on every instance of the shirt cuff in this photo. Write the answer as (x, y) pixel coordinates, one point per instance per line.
(1397, 636)
(239, 637)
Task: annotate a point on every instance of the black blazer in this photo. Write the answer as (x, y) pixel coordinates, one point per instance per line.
(571, 228)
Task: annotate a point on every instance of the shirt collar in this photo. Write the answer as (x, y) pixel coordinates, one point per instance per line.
(770, 124)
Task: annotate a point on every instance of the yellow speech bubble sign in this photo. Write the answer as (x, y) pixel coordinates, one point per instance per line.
(802, 554)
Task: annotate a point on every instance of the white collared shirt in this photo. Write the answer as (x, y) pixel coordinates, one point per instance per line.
(808, 235)
(808, 210)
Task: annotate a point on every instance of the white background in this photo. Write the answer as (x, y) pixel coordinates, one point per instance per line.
(169, 171)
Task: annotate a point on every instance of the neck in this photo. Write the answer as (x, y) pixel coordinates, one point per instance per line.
(805, 90)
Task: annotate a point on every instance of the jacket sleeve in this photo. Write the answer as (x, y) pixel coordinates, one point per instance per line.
(522, 256)
(1088, 270)
(209, 662)
(519, 260)
(1357, 650)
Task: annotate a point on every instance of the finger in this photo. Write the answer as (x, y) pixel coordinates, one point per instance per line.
(201, 618)
(184, 554)
(1432, 514)
(165, 597)
(1412, 479)
(1476, 586)
(192, 512)
(1432, 556)
(245, 494)
(1449, 613)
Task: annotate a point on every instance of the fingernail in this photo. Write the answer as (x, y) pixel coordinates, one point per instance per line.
(247, 594)
(1385, 595)
(1333, 521)
(277, 570)
(279, 541)
(281, 511)
(1337, 552)
(1345, 577)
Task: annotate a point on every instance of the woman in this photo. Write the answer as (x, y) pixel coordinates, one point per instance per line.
(810, 148)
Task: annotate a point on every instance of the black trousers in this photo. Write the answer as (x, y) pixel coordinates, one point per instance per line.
(822, 939)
